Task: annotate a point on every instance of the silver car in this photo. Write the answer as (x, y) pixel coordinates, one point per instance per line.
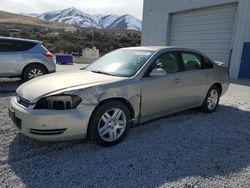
(24, 58)
(125, 87)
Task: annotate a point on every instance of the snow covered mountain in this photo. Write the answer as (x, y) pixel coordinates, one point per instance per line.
(119, 22)
(74, 16)
(126, 21)
(71, 16)
(105, 20)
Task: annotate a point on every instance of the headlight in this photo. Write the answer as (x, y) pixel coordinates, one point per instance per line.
(59, 102)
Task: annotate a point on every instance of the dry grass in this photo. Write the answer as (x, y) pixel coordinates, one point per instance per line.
(6, 17)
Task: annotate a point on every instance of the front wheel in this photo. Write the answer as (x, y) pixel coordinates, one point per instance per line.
(212, 100)
(110, 123)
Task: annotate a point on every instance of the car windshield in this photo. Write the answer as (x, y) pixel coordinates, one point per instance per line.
(125, 62)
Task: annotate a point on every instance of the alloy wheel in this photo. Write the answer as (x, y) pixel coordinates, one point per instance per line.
(212, 99)
(34, 73)
(112, 124)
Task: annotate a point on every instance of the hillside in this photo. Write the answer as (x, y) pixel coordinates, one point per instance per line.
(59, 37)
(6, 17)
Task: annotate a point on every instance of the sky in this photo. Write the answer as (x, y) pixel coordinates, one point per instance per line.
(133, 7)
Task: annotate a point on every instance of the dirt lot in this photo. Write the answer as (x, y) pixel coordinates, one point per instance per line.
(190, 149)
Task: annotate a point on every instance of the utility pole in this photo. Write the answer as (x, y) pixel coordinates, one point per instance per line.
(92, 38)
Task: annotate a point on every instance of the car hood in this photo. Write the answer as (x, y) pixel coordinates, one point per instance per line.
(52, 83)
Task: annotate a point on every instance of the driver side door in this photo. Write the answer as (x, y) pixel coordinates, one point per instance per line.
(162, 94)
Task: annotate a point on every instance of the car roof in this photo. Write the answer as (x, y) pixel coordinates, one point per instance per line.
(147, 48)
(20, 39)
(158, 48)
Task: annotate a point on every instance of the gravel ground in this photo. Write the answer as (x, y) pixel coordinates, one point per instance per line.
(189, 149)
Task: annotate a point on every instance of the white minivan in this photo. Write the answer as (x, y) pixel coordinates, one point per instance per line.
(24, 58)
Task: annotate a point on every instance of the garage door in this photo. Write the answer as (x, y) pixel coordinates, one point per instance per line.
(209, 30)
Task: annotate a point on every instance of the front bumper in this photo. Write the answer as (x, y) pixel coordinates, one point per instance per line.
(51, 125)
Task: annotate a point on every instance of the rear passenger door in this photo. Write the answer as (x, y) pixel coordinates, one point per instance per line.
(14, 55)
(196, 77)
(9, 58)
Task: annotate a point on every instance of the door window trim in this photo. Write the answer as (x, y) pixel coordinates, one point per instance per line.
(199, 56)
(147, 72)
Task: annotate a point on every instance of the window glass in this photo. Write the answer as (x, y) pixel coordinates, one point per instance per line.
(23, 45)
(6, 46)
(124, 62)
(206, 64)
(15, 45)
(191, 61)
(168, 62)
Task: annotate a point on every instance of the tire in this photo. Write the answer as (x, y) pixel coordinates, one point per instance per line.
(33, 71)
(105, 128)
(212, 100)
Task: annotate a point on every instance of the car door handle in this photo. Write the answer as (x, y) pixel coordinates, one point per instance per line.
(178, 80)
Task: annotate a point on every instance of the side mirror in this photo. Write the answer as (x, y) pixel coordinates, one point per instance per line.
(157, 72)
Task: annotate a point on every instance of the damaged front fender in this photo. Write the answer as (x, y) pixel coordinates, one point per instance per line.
(121, 90)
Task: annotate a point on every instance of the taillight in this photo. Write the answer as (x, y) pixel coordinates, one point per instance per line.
(48, 55)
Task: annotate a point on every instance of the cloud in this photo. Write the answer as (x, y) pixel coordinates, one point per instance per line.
(133, 7)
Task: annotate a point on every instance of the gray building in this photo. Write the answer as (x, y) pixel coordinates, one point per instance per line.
(219, 28)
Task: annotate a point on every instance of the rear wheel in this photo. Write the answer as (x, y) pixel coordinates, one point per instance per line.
(212, 100)
(33, 71)
(110, 123)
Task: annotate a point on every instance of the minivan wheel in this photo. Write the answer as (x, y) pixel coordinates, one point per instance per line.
(109, 123)
(33, 71)
(212, 100)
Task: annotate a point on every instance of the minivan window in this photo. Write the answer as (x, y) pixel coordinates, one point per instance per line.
(6, 46)
(15, 45)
